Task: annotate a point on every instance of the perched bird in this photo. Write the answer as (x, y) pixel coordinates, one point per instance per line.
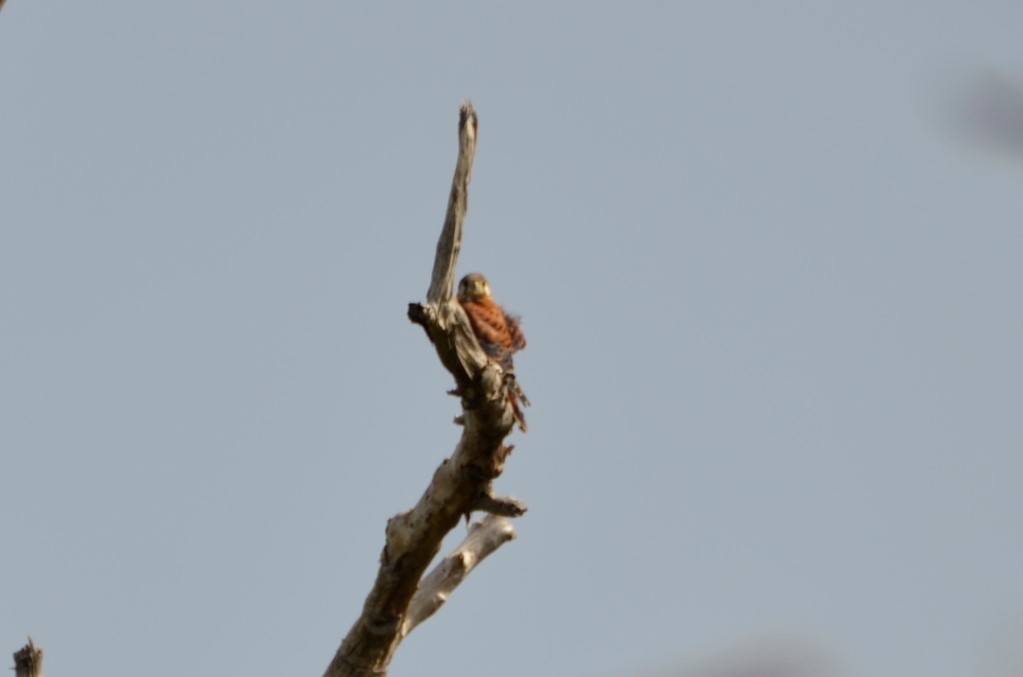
(498, 333)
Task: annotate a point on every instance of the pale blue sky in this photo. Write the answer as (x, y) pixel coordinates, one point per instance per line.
(771, 288)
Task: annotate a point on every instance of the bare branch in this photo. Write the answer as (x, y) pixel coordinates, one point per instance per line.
(484, 537)
(28, 661)
(442, 282)
(462, 483)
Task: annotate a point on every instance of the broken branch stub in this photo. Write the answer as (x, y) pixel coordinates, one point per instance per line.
(28, 660)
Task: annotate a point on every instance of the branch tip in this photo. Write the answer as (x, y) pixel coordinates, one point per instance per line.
(442, 281)
(467, 120)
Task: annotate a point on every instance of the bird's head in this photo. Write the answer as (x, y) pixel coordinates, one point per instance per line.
(473, 287)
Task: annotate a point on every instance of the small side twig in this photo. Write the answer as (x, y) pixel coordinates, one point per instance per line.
(505, 506)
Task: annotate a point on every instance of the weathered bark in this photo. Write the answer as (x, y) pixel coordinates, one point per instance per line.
(28, 660)
(442, 282)
(462, 483)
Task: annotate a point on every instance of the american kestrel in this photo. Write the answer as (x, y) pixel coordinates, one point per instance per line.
(498, 332)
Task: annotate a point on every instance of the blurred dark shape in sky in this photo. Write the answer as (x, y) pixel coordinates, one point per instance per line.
(1001, 653)
(760, 659)
(991, 110)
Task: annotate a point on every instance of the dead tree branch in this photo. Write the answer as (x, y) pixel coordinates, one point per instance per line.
(442, 282)
(463, 482)
(484, 537)
(28, 661)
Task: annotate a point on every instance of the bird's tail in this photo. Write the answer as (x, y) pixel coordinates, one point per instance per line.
(516, 396)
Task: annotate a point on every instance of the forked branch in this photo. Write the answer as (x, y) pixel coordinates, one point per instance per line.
(463, 481)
